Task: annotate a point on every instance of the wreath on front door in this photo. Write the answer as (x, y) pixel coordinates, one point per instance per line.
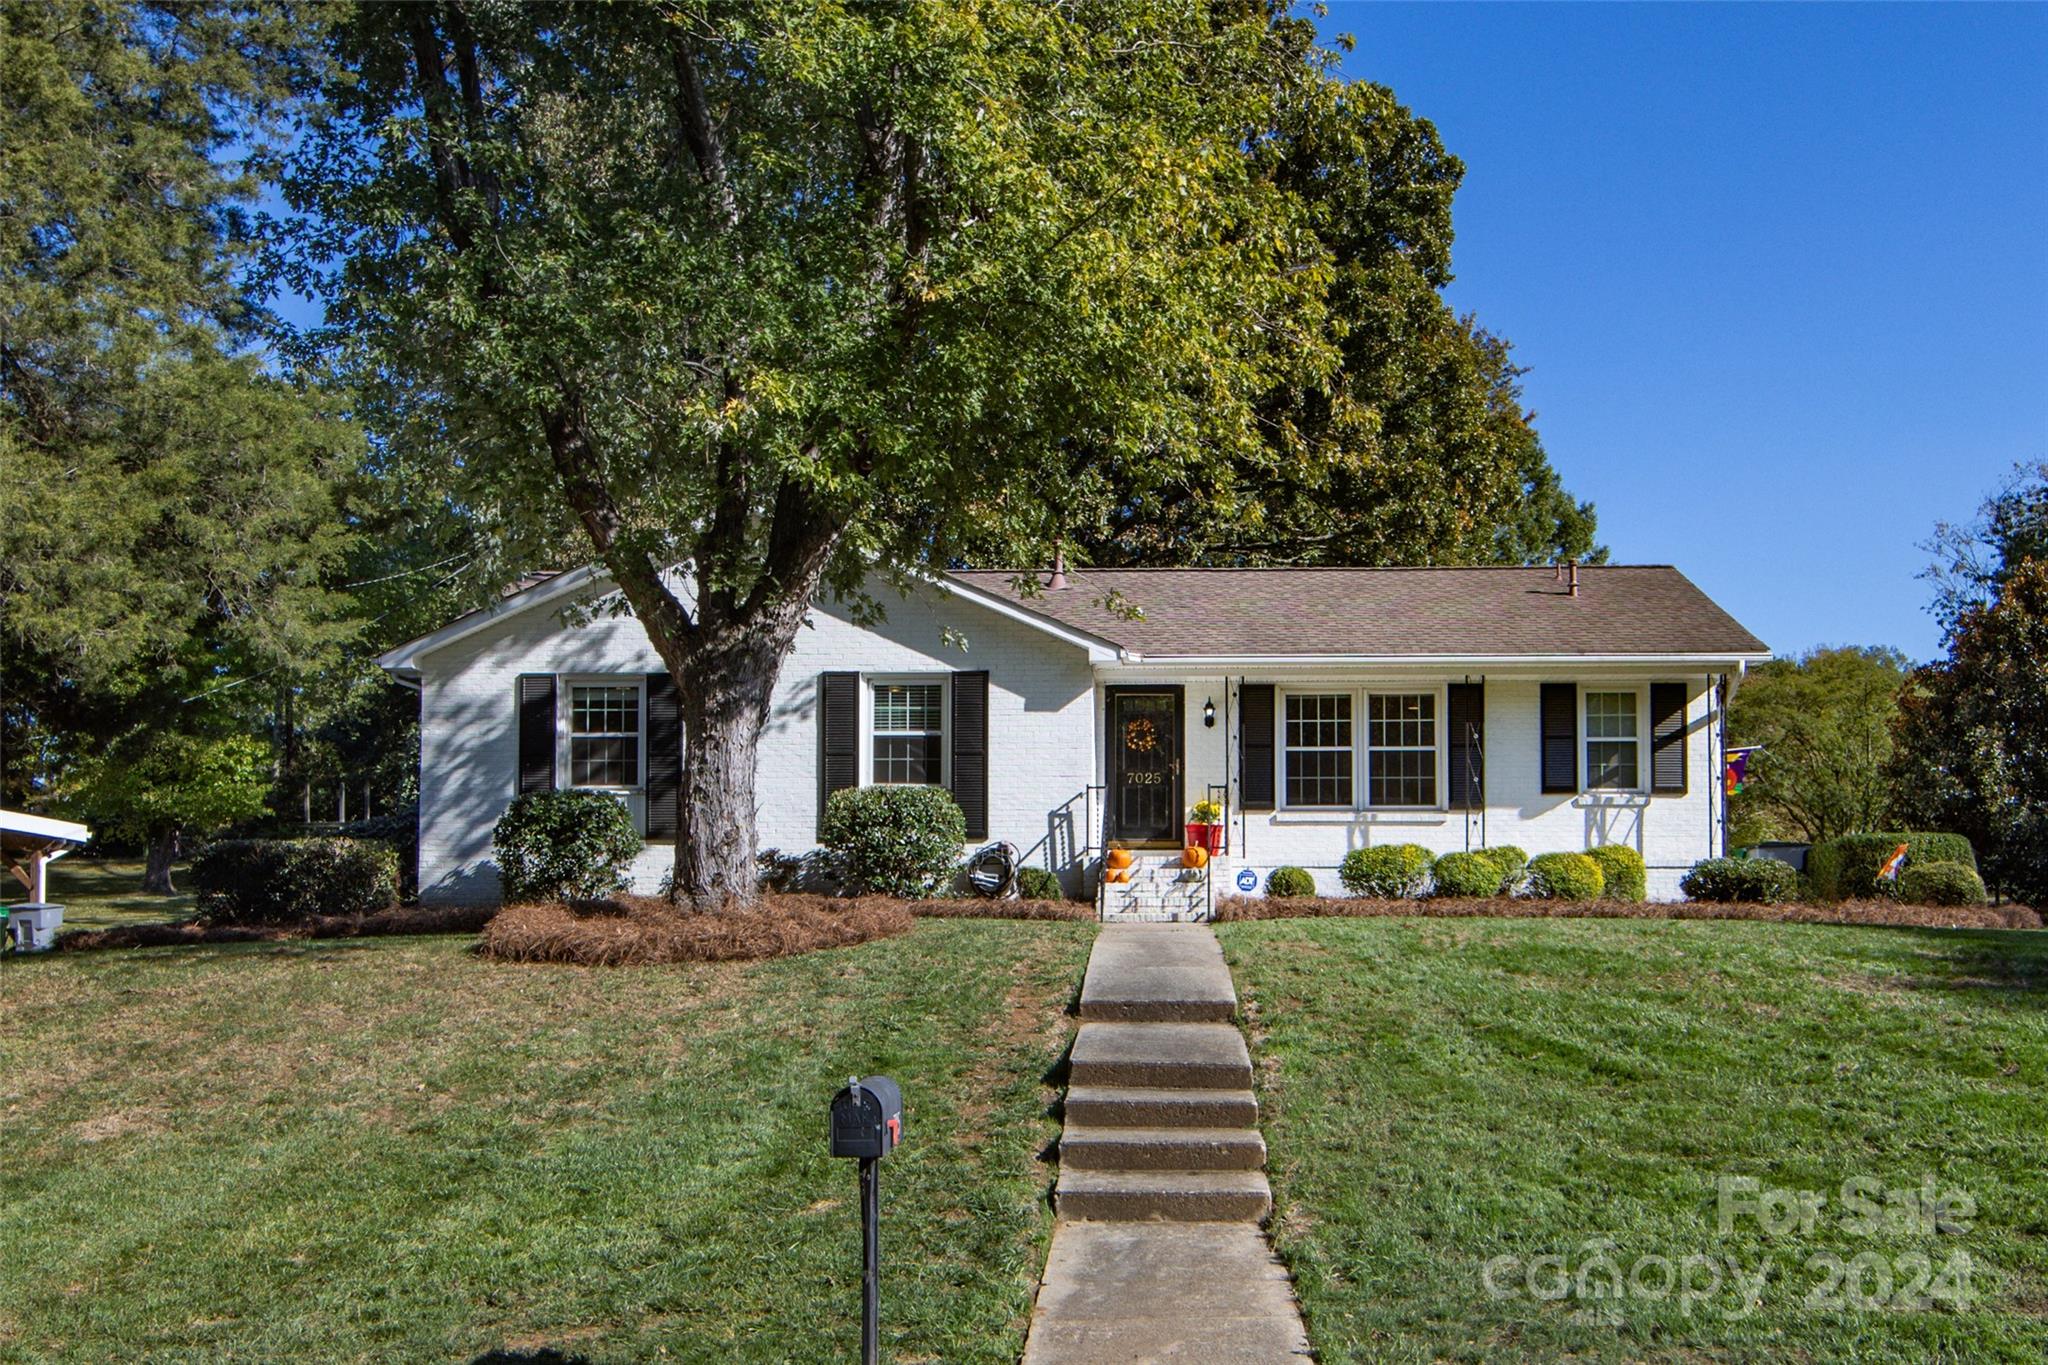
(1141, 736)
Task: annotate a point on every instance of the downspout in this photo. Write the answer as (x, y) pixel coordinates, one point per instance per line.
(1244, 821)
(1229, 794)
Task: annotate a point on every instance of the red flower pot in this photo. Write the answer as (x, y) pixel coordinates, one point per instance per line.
(1208, 837)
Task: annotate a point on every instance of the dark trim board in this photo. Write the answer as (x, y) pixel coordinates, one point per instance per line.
(1110, 769)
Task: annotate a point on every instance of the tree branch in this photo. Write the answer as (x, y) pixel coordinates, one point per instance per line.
(667, 621)
(700, 133)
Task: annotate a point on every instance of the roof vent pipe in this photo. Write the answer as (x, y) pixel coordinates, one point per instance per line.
(1573, 591)
(1059, 569)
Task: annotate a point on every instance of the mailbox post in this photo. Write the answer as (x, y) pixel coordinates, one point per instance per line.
(867, 1123)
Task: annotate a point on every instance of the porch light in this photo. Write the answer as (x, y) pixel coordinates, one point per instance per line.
(1209, 713)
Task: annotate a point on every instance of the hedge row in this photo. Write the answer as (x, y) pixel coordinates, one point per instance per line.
(282, 881)
(1847, 868)
(1410, 871)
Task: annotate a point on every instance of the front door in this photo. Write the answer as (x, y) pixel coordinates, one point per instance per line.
(1144, 764)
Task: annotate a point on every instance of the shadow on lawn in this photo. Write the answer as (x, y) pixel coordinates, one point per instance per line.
(545, 1355)
(2009, 966)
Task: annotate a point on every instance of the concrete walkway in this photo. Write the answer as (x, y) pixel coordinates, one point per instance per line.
(1157, 1254)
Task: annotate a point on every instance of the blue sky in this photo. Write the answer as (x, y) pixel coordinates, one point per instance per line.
(1780, 273)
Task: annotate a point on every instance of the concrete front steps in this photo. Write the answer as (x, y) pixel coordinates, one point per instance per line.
(1161, 1122)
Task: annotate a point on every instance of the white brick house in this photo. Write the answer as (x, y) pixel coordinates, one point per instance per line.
(1325, 709)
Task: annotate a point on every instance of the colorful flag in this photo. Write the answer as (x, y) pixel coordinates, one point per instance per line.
(1893, 865)
(1738, 768)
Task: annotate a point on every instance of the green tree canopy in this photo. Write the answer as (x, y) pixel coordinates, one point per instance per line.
(784, 293)
(1972, 733)
(1415, 447)
(172, 508)
(1825, 724)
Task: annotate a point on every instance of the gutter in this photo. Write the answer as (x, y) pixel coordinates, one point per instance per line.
(1126, 656)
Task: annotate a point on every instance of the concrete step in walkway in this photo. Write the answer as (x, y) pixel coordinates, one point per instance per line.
(1119, 1293)
(1159, 1106)
(1088, 1148)
(1157, 1254)
(1177, 1056)
(1157, 974)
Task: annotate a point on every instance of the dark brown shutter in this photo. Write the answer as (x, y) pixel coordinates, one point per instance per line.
(1467, 748)
(839, 729)
(1560, 737)
(967, 765)
(1255, 746)
(1667, 738)
(664, 757)
(536, 732)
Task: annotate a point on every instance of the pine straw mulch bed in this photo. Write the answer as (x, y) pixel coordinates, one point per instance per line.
(963, 907)
(398, 920)
(621, 931)
(1868, 912)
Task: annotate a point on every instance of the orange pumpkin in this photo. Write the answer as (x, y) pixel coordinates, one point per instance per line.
(1117, 875)
(1119, 857)
(1194, 855)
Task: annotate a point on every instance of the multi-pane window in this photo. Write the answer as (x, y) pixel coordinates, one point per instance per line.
(1612, 741)
(909, 732)
(1318, 749)
(1400, 743)
(604, 735)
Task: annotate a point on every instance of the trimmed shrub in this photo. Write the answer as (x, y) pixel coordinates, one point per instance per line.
(1622, 870)
(401, 830)
(1290, 882)
(1565, 877)
(283, 881)
(1846, 868)
(565, 843)
(1941, 884)
(1467, 875)
(895, 841)
(1512, 862)
(1391, 870)
(1754, 881)
(1038, 884)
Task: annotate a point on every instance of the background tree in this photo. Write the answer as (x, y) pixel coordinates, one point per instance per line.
(1972, 734)
(152, 785)
(176, 514)
(1973, 559)
(1415, 448)
(785, 293)
(1825, 721)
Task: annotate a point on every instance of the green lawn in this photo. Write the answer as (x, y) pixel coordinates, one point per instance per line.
(101, 894)
(1441, 1093)
(391, 1150)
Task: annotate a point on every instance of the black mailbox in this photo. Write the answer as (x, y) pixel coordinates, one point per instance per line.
(867, 1118)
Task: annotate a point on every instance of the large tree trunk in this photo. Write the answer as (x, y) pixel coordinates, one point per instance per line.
(723, 712)
(156, 867)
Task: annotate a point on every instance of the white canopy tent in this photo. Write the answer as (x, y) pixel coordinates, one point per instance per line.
(30, 843)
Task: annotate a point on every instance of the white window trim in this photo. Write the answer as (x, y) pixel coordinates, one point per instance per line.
(1280, 749)
(1641, 692)
(868, 683)
(1361, 756)
(1439, 703)
(565, 712)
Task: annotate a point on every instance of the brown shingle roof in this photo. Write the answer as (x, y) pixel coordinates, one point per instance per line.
(1645, 609)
